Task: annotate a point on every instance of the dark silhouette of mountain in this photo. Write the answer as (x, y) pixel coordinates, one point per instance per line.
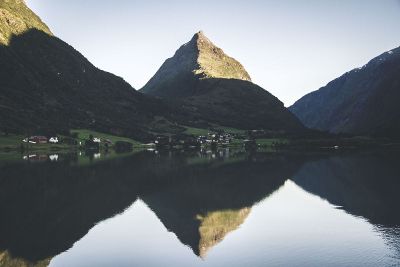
(216, 88)
(362, 101)
(46, 85)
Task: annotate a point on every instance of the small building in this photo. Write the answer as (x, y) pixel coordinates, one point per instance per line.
(53, 140)
(38, 140)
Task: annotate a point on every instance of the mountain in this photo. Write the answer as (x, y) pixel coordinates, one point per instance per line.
(216, 88)
(46, 85)
(362, 101)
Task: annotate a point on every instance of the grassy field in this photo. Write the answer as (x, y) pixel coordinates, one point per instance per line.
(231, 130)
(14, 142)
(11, 140)
(196, 131)
(84, 134)
(204, 132)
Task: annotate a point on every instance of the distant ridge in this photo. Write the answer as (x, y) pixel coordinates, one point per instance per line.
(362, 101)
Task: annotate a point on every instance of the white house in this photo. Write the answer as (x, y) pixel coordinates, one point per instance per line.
(53, 140)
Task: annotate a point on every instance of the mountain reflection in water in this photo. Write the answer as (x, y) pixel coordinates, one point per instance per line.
(46, 208)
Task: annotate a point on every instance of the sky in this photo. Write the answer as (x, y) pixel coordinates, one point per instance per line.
(289, 47)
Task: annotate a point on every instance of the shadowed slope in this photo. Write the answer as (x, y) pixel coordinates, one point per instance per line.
(46, 85)
(362, 101)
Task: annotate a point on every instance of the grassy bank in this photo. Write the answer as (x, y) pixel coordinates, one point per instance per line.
(14, 142)
(83, 134)
(79, 136)
(214, 129)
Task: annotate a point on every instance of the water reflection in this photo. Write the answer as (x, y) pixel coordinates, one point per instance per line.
(37, 157)
(201, 196)
(365, 185)
(206, 202)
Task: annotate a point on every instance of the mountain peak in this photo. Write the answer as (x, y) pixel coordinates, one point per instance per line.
(198, 59)
(200, 37)
(200, 34)
(214, 63)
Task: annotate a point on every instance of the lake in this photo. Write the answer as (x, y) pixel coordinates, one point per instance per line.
(201, 208)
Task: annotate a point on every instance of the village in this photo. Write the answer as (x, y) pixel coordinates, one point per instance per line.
(96, 145)
(212, 140)
(98, 141)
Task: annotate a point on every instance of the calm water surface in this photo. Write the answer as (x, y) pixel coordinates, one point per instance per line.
(201, 209)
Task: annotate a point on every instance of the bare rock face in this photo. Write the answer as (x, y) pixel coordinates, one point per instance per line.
(214, 63)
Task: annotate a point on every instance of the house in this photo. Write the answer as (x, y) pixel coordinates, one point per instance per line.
(53, 140)
(202, 139)
(217, 139)
(38, 140)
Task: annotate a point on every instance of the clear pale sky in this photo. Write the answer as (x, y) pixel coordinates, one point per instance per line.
(289, 47)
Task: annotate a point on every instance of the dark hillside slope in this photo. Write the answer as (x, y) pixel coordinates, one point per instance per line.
(46, 85)
(362, 101)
